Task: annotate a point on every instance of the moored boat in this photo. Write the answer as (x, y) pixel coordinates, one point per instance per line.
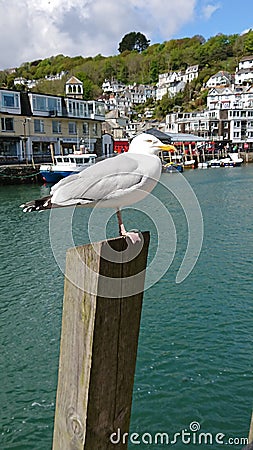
(214, 163)
(235, 159)
(203, 165)
(173, 167)
(64, 166)
(189, 164)
(232, 160)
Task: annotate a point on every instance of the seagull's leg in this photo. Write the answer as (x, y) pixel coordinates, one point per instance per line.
(134, 237)
(122, 230)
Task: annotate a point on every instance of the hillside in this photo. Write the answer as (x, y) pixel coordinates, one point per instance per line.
(220, 52)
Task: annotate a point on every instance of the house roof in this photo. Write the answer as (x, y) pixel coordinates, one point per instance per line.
(74, 80)
(247, 58)
(167, 138)
(164, 137)
(185, 137)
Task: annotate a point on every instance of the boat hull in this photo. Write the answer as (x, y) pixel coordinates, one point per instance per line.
(53, 177)
(66, 165)
(172, 168)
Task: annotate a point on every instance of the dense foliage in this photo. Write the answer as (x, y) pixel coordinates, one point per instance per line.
(220, 52)
(134, 41)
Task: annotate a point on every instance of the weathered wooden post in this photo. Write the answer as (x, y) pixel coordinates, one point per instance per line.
(250, 437)
(100, 326)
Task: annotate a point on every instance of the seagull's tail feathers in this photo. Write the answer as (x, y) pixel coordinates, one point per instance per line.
(39, 204)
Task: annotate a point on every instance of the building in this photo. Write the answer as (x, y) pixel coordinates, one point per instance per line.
(221, 78)
(34, 125)
(171, 83)
(74, 88)
(244, 71)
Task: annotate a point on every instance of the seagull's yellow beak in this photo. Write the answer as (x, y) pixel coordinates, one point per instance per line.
(167, 148)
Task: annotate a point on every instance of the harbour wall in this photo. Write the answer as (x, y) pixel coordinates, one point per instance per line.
(19, 174)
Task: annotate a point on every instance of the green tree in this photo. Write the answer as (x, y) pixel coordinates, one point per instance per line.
(248, 42)
(134, 41)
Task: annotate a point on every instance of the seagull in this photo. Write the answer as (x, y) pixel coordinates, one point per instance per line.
(112, 183)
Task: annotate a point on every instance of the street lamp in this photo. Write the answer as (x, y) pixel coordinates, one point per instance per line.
(25, 149)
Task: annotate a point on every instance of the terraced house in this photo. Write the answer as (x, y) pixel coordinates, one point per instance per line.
(33, 125)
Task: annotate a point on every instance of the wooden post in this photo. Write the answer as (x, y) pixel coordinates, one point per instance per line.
(102, 305)
(250, 437)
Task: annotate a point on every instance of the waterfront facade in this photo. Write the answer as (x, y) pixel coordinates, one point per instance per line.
(35, 126)
(224, 127)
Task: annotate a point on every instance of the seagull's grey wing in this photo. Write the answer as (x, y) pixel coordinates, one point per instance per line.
(100, 181)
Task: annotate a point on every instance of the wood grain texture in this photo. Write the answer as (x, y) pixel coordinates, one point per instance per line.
(99, 342)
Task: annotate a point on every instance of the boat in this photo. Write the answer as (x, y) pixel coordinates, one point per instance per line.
(173, 167)
(203, 165)
(189, 164)
(215, 163)
(232, 160)
(66, 165)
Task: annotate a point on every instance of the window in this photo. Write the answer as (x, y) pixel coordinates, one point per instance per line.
(72, 127)
(10, 100)
(82, 160)
(56, 126)
(90, 108)
(52, 104)
(85, 128)
(38, 126)
(45, 104)
(7, 124)
(39, 103)
(95, 128)
(237, 124)
(75, 108)
(70, 107)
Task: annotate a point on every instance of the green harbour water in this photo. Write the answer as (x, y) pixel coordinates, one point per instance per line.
(194, 362)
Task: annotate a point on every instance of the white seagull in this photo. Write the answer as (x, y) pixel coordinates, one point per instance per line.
(112, 183)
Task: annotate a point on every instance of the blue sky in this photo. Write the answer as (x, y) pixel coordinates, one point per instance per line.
(224, 16)
(37, 29)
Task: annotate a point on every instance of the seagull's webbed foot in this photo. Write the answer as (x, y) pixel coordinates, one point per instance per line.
(133, 236)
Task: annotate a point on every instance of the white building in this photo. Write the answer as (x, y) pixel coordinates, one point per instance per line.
(221, 78)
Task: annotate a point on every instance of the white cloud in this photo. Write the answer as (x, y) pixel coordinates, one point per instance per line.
(209, 10)
(41, 28)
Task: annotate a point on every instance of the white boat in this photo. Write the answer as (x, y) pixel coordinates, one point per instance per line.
(214, 163)
(232, 160)
(235, 158)
(203, 165)
(66, 165)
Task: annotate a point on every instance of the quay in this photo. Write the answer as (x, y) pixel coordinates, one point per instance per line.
(19, 174)
(247, 156)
